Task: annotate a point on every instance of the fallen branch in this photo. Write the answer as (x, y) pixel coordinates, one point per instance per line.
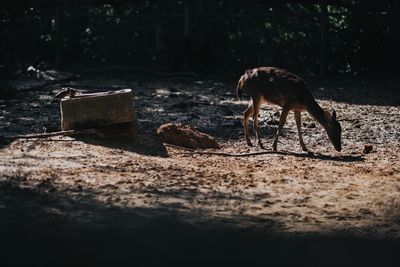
(60, 133)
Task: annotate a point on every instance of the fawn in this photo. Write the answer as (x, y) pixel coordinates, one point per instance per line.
(280, 87)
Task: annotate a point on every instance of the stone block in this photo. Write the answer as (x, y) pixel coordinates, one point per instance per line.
(99, 110)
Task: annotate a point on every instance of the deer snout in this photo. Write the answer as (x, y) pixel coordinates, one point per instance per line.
(338, 147)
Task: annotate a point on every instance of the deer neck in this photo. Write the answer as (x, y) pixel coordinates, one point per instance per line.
(317, 113)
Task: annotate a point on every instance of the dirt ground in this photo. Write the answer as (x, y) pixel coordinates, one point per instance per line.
(112, 201)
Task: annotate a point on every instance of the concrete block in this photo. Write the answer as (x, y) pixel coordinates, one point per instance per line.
(99, 110)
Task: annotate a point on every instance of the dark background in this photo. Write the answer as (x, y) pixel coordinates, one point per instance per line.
(225, 37)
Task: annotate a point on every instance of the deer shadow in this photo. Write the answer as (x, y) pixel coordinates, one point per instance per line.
(314, 155)
(309, 154)
(321, 156)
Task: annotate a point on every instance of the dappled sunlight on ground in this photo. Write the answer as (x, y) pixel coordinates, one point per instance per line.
(80, 184)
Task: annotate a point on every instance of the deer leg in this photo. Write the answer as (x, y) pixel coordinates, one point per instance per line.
(246, 115)
(297, 116)
(256, 112)
(282, 121)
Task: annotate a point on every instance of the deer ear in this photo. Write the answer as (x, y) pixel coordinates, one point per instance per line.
(254, 73)
(333, 114)
(251, 73)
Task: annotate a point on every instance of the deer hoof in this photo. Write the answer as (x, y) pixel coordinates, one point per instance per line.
(249, 143)
(274, 145)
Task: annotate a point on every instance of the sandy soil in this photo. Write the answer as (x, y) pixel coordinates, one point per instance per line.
(288, 193)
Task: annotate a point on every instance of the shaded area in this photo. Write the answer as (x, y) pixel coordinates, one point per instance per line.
(40, 224)
(148, 144)
(382, 91)
(120, 137)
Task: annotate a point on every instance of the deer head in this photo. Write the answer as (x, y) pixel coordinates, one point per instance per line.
(244, 80)
(333, 129)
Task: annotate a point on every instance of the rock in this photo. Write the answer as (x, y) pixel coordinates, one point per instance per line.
(368, 149)
(186, 136)
(311, 125)
(273, 122)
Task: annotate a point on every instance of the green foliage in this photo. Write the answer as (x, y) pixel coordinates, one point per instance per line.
(226, 35)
